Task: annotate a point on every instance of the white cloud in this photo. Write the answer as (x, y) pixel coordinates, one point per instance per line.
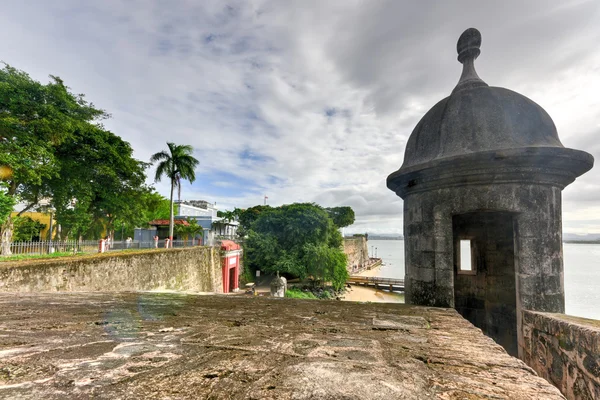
(309, 100)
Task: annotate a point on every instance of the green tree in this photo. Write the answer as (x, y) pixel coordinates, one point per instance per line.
(149, 205)
(176, 164)
(229, 216)
(6, 206)
(192, 229)
(341, 216)
(328, 263)
(99, 183)
(248, 216)
(156, 207)
(34, 120)
(298, 239)
(26, 228)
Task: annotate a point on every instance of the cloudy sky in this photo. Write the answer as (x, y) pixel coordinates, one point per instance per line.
(309, 100)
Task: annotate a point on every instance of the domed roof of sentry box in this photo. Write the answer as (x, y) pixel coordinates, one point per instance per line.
(477, 117)
(469, 131)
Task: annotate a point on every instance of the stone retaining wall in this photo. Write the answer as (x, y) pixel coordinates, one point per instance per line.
(565, 351)
(195, 269)
(357, 253)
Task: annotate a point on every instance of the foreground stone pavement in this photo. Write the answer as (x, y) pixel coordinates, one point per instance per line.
(168, 346)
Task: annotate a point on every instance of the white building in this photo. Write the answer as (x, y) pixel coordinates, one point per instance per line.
(205, 214)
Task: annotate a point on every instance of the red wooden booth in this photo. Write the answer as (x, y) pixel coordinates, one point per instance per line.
(230, 262)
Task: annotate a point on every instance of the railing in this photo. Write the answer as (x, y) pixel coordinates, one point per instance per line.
(375, 280)
(89, 246)
(394, 285)
(53, 246)
(160, 244)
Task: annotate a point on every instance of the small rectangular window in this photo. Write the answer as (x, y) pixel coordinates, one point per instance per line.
(465, 256)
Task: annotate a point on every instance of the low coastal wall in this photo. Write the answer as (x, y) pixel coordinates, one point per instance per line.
(357, 253)
(195, 269)
(565, 351)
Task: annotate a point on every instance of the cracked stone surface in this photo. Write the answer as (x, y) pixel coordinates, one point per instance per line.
(169, 346)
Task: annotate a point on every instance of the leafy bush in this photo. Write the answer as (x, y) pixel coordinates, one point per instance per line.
(294, 293)
(299, 240)
(26, 228)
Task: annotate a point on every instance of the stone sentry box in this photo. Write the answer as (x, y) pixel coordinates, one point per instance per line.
(485, 165)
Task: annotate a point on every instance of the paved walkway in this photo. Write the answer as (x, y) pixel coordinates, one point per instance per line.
(169, 346)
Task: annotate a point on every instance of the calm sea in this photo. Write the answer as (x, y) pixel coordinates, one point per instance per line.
(582, 273)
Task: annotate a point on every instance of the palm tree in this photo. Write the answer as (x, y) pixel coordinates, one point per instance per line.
(177, 164)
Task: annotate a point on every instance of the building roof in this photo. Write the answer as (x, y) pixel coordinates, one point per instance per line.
(165, 222)
(477, 127)
(477, 117)
(229, 245)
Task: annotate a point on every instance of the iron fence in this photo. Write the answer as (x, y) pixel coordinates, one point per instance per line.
(92, 246)
(53, 246)
(89, 246)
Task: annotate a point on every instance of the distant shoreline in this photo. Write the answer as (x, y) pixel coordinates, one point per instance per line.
(570, 241)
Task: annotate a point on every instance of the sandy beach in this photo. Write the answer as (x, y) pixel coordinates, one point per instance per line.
(363, 294)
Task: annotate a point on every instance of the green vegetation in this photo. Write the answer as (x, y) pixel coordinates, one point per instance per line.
(26, 228)
(229, 215)
(299, 240)
(341, 216)
(53, 146)
(294, 293)
(191, 230)
(176, 164)
(247, 217)
(6, 205)
(246, 277)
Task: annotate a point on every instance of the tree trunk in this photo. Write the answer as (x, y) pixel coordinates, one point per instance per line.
(7, 233)
(172, 217)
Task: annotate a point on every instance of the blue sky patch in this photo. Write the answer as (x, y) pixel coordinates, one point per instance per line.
(223, 184)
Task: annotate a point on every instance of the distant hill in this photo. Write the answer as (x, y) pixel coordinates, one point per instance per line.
(588, 238)
(382, 236)
(567, 237)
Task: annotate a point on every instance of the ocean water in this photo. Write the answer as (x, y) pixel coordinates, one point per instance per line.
(581, 265)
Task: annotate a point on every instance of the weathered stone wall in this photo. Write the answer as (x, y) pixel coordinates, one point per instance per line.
(488, 297)
(357, 252)
(429, 242)
(565, 351)
(196, 269)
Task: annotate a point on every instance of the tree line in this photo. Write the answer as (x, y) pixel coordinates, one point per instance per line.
(54, 146)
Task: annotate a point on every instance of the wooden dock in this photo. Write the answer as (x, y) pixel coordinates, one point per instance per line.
(391, 284)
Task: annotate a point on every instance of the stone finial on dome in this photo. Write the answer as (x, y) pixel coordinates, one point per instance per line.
(468, 50)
